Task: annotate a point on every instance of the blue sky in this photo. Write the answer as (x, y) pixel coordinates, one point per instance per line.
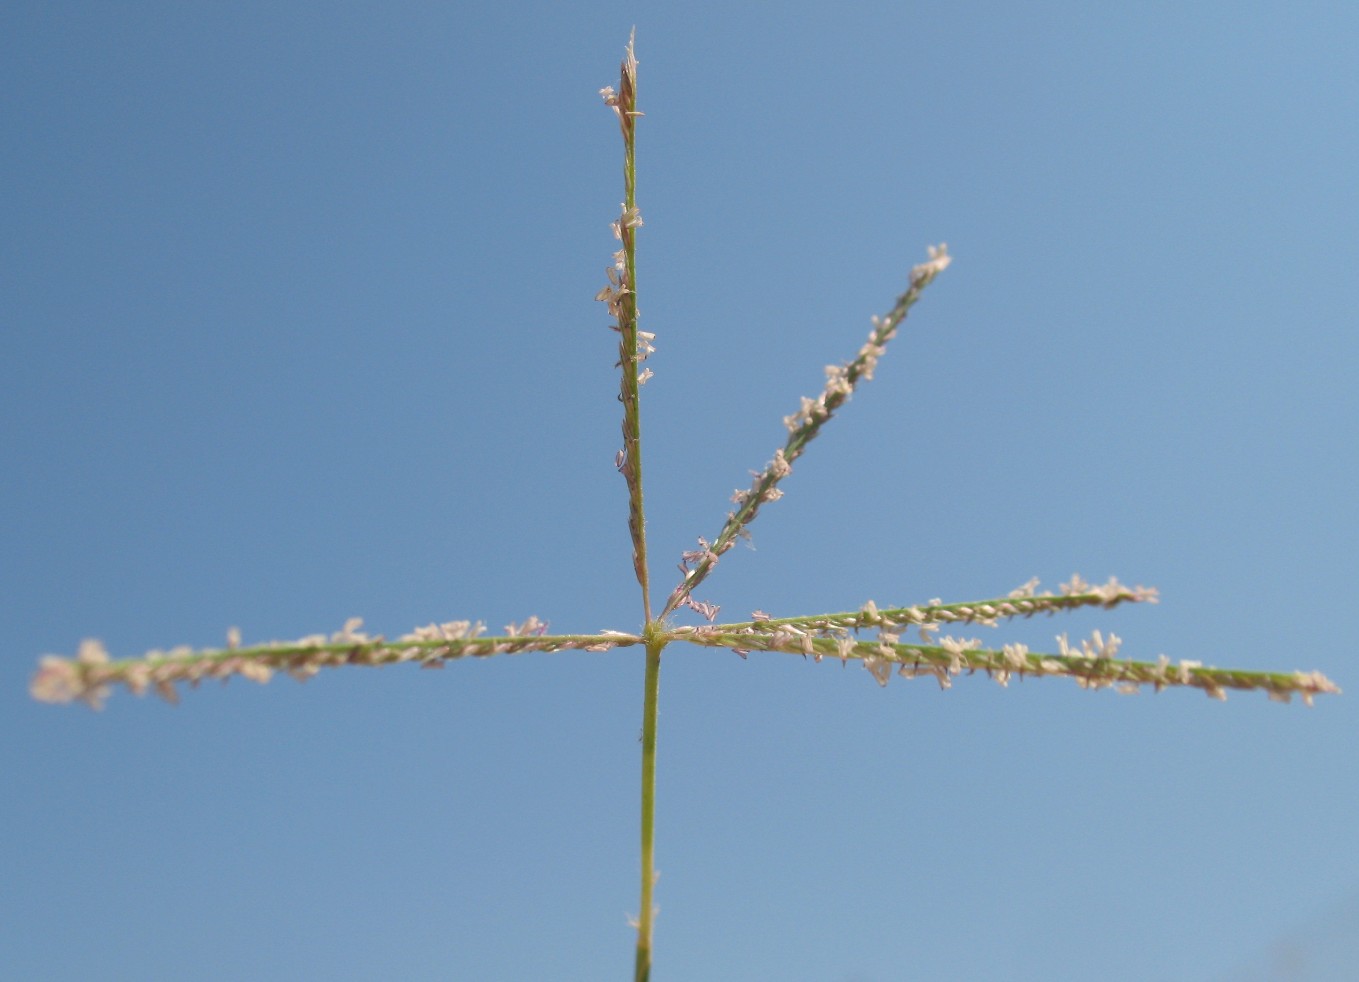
(298, 326)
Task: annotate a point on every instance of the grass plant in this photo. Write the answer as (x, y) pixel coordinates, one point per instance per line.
(908, 641)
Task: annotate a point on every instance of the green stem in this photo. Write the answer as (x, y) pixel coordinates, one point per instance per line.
(653, 684)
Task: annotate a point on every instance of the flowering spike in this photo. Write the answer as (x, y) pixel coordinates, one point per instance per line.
(806, 423)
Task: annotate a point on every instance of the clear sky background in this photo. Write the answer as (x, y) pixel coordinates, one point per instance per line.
(298, 326)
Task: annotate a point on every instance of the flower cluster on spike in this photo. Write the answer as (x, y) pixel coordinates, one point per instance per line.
(938, 261)
(90, 675)
(617, 290)
(802, 427)
(1092, 663)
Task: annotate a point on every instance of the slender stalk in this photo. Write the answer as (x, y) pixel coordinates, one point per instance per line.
(631, 378)
(633, 348)
(621, 293)
(1020, 603)
(803, 426)
(1091, 663)
(90, 676)
(651, 702)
